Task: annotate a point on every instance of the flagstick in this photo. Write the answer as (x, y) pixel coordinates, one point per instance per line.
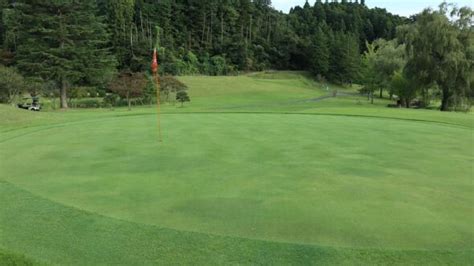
(154, 68)
(158, 105)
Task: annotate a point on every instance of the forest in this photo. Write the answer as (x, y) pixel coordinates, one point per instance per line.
(66, 44)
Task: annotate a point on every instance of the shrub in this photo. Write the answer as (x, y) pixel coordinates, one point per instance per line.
(218, 66)
(88, 103)
(11, 84)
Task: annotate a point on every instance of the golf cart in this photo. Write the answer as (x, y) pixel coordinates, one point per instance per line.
(32, 105)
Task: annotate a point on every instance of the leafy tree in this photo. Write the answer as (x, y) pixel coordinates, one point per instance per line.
(149, 91)
(182, 97)
(369, 72)
(218, 66)
(169, 84)
(438, 52)
(390, 57)
(63, 41)
(128, 85)
(381, 60)
(192, 63)
(403, 88)
(11, 84)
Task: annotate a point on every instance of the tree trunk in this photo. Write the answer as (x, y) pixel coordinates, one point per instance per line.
(141, 24)
(381, 93)
(129, 102)
(372, 97)
(203, 30)
(209, 31)
(444, 103)
(63, 95)
(222, 29)
(250, 29)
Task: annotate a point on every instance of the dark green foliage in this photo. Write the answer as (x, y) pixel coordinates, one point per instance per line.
(169, 85)
(439, 51)
(182, 97)
(379, 63)
(3, 5)
(120, 15)
(62, 41)
(212, 37)
(345, 58)
(320, 54)
(403, 88)
(11, 84)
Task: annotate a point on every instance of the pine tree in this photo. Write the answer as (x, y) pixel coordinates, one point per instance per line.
(3, 4)
(320, 53)
(120, 14)
(64, 42)
(345, 58)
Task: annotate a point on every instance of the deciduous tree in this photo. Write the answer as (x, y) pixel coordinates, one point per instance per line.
(128, 85)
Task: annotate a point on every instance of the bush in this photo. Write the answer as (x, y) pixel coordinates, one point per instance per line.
(11, 84)
(218, 66)
(110, 100)
(87, 103)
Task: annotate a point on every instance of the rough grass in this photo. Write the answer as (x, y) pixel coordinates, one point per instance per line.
(8, 258)
(250, 178)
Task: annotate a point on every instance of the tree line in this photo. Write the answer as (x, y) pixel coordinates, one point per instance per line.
(81, 43)
(431, 58)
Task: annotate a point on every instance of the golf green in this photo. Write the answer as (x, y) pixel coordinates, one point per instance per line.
(337, 181)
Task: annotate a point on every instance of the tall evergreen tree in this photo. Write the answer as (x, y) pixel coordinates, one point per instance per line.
(63, 41)
(345, 58)
(3, 5)
(120, 14)
(320, 53)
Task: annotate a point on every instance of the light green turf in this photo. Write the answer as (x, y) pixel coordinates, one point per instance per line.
(241, 178)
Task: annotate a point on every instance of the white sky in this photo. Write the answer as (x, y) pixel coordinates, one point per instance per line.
(400, 7)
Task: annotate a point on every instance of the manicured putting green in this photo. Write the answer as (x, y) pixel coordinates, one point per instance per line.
(350, 182)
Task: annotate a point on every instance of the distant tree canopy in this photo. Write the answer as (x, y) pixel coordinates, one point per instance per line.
(214, 37)
(80, 43)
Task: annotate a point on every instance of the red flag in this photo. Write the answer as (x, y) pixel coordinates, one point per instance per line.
(154, 64)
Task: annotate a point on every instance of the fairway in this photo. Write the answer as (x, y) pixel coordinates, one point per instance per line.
(278, 180)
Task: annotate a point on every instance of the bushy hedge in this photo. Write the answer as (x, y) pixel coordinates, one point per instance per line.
(87, 103)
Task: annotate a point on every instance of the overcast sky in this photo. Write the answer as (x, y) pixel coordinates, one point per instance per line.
(401, 7)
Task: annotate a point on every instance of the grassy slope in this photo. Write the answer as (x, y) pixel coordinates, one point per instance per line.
(97, 239)
(70, 236)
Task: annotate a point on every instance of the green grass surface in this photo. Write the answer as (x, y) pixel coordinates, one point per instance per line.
(253, 171)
